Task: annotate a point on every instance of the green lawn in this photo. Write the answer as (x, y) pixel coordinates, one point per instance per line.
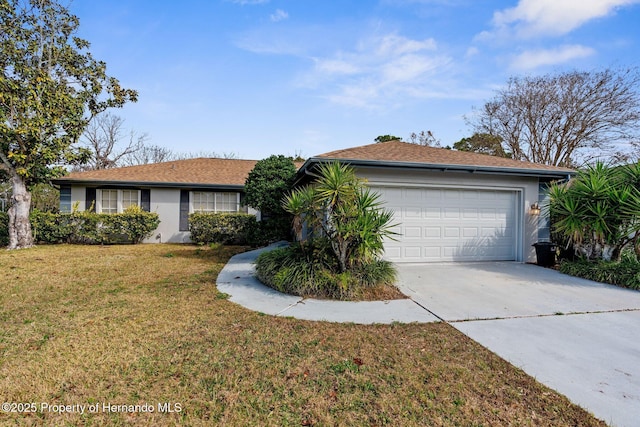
(135, 325)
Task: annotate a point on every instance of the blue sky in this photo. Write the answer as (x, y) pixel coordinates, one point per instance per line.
(262, 77)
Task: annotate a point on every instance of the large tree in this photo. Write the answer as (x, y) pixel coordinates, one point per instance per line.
(148, 154)
(267, 184)
(108, 144)
(386, 138)
(265, 187)
(483, 143)
(50, 88)
(564, 119)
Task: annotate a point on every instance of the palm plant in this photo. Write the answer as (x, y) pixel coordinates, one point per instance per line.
(599, 211)
(349, 215)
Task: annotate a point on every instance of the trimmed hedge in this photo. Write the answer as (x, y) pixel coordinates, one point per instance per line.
(4, 229)
(625, 273)
(224, 228)
(131, 226)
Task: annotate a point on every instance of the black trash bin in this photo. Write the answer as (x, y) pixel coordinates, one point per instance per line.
(545, 253)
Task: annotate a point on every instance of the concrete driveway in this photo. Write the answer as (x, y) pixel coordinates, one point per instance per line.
(578, 337)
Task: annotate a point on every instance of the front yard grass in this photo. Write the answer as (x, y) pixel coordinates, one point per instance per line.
(134, 325)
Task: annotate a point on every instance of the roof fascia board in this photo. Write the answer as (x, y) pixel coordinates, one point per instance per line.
(102, 183)
(443, 167)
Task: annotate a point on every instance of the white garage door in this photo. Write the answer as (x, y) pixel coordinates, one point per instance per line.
(436, 224)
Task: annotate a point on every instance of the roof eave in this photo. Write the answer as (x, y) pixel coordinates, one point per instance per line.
(149, 184)
(495, 170)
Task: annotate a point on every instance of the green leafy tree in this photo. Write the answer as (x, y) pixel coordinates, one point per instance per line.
(349, 214)
(483, 143)
(268, 182)
(50, 88)
(266, 185)
(45, 198)
(386, 138)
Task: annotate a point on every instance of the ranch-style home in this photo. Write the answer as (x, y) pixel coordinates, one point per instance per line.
(171, 189)
(448, 205)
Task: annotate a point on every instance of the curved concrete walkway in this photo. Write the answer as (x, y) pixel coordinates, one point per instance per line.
(576, 336)
(237, 280)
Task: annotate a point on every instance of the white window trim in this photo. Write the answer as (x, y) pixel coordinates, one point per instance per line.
(192, 203)
(119, 198)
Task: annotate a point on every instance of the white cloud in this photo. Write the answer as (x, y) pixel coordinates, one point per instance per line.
(377, 70)
(393, 44)
(535, 18)
(279, 15)
(336, 66)
(408, 68)
(248, 2)
(532, 59)
(472, 51)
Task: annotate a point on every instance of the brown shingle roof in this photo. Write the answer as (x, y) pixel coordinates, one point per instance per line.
(403, 152)
(205, 171)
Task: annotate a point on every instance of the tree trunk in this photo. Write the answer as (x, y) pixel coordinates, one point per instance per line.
(20, 235)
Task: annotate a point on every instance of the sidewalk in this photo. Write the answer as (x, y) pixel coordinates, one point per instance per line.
(236, 279)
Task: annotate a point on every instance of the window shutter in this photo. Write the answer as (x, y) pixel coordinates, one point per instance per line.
(145, 200)
(65, 198)
(90, 199)
(184, 210)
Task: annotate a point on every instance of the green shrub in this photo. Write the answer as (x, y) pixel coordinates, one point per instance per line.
(4, 229)
(625, 273)
(270, 230)
(132, 225)
(225, 228)
(314, 271)
(86, 227)
(47, 227)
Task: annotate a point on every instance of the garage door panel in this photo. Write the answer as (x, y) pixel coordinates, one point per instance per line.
(470, 232)
(451, 213)
(412, 232)
(412, 212)
(412, 251)
(432, 213)
(451, 232)
(451, 224)
(470, 213)
(432, 232)
(393, 252)
(431, 253)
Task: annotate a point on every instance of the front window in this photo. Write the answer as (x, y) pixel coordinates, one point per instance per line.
(204, 202)
(116, 201)
(227, 202)
(129, 198)
(109, 201)
(216, 202)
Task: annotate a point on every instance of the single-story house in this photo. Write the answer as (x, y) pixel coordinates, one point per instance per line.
(448, 205)
(453, 205)
(172, 189)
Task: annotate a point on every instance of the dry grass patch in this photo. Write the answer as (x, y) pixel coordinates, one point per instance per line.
(145, 324)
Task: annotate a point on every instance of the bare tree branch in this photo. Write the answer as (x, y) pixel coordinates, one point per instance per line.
(565, 119)
(425, 138)
(148, 154)
(103, 137)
